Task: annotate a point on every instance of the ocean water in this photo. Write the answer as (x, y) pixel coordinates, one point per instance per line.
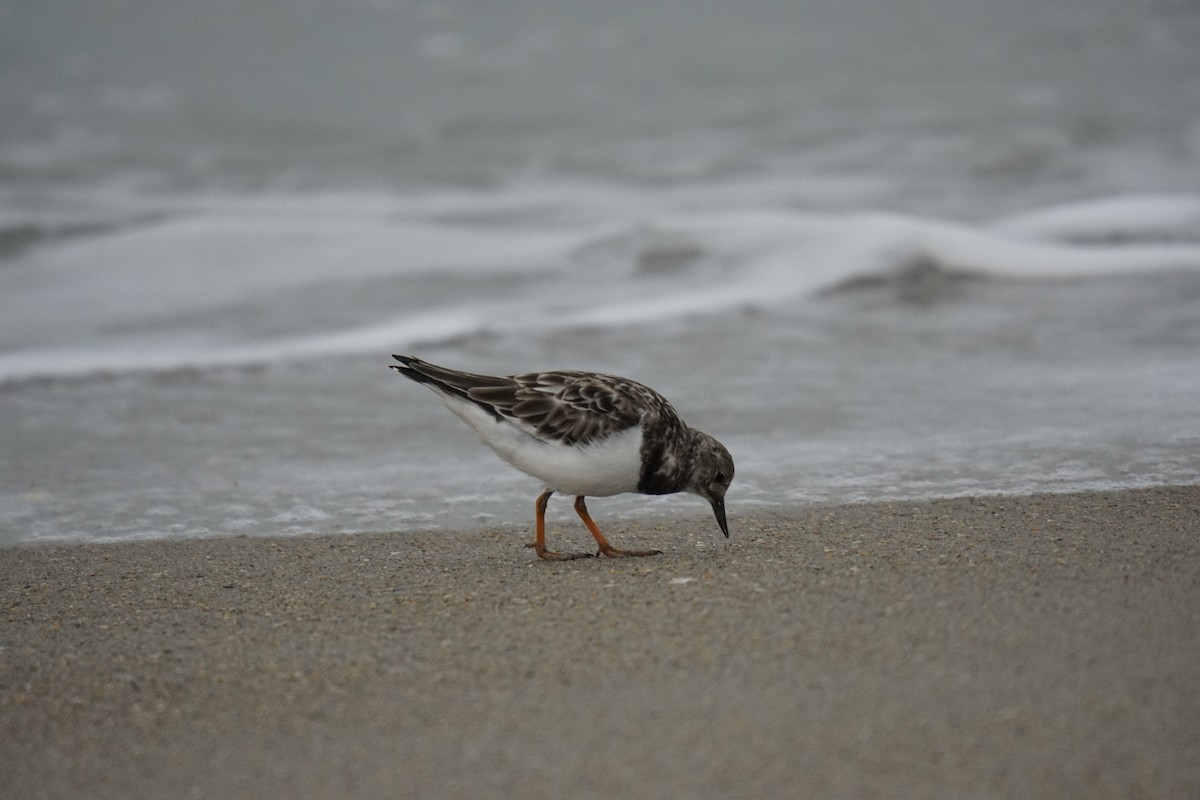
(923, 248)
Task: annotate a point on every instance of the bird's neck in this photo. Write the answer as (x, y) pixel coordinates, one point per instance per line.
(667, 460)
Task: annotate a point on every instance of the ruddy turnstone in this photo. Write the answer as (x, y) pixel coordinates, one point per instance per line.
(583, 434)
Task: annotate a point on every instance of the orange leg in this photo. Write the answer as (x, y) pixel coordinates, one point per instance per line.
(606, 548)
(539, 544)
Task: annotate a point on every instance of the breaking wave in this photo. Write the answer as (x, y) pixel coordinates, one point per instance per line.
(246, 281)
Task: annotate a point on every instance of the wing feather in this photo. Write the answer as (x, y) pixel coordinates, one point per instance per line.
(561, 406)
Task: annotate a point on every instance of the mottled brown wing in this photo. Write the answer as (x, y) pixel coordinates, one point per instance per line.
(572, 407)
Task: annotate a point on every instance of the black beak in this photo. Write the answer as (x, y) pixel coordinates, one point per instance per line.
(718, 504)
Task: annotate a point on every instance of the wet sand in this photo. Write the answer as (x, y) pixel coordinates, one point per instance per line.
(1034, 647)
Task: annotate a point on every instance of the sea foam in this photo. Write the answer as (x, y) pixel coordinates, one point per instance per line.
(283, 278)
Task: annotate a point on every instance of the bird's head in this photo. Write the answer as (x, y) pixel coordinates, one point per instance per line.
(712, 472)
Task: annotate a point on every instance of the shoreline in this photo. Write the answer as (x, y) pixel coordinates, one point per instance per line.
(562, 523)
(1036, 646)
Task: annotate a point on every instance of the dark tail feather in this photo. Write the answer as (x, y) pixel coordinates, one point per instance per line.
(411, 369)
(447, 381)
(428, 374)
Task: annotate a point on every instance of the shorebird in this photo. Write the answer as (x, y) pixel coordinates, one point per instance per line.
(583, 434)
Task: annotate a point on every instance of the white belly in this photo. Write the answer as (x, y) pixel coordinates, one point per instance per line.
(609, 467)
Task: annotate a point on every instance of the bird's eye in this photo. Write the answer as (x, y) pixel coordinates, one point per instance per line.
(719, 477)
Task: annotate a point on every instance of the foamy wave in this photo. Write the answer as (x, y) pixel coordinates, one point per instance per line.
(1153, 218)
(204, 289)
(64, 363)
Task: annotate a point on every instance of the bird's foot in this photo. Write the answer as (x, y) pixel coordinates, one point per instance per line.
(550, 555)
(614, 552)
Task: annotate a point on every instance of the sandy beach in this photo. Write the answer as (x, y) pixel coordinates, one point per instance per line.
(1035, 647)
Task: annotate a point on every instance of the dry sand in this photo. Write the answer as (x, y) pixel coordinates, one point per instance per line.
(1044, 646)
